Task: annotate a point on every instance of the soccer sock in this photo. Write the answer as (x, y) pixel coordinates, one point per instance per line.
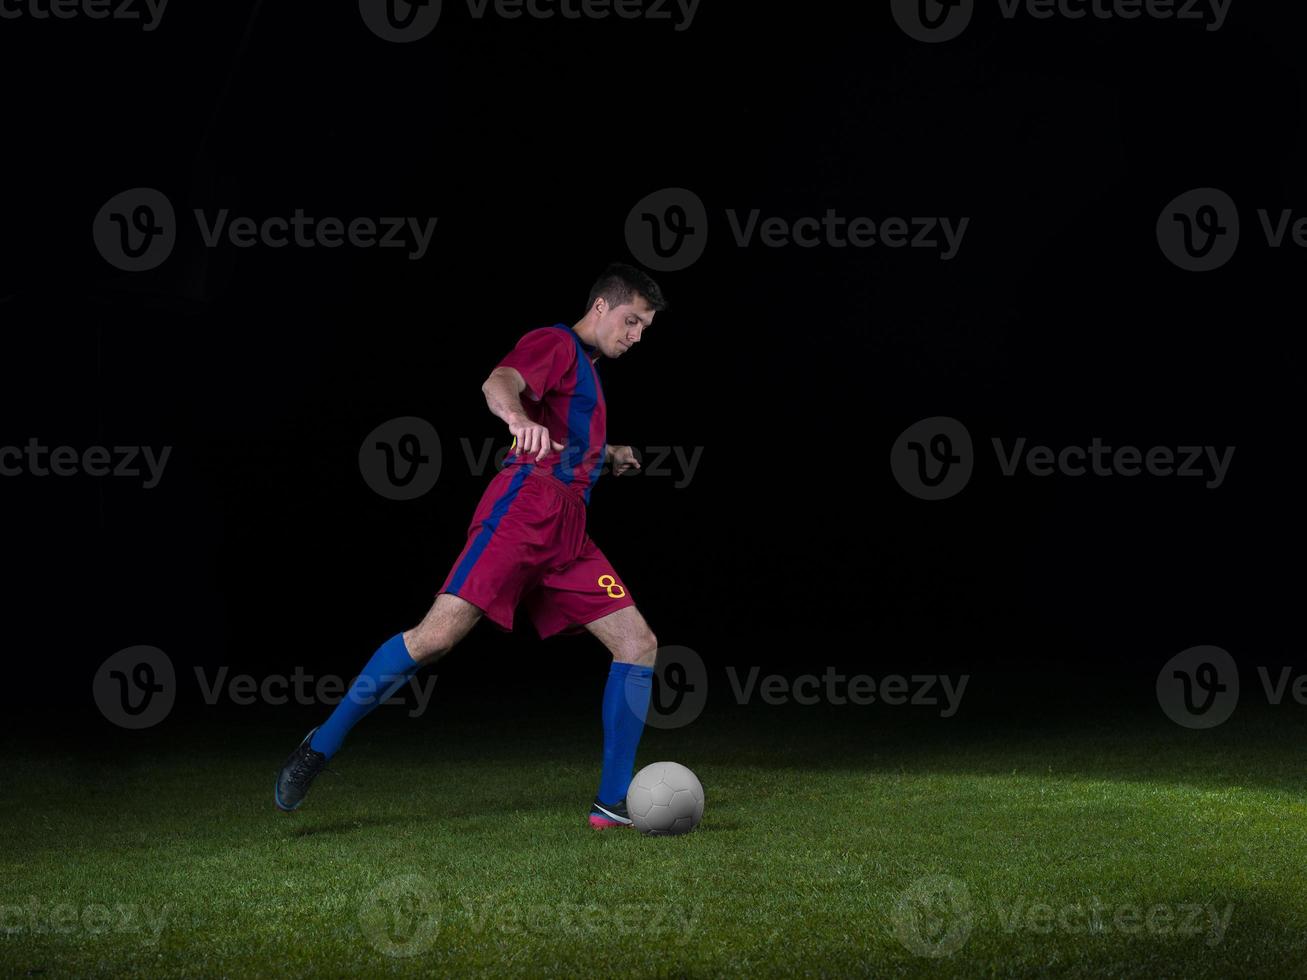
(626, 702)
(389, 667)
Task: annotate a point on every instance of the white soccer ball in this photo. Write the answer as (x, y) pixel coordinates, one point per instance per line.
(665, 798)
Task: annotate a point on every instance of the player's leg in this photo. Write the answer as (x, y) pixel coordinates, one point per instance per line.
(587, 593)
(625, 707)
(394, 662)
(627, 637)
(487, 579)
(449, 619)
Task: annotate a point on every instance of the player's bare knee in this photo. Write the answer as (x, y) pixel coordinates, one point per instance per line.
(639, 650)
(426, 646)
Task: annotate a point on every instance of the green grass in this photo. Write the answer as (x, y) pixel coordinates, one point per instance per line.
(818, 822)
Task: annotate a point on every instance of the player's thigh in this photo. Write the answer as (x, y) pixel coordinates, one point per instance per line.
(447, 621)
(626, 635)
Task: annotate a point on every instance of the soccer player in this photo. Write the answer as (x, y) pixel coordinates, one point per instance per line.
(527, 542)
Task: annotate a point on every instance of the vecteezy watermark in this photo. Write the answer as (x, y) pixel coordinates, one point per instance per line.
(680, 689)
(678, 462)
(1199, 687)
(1199, 230)
(147, 13)
(36, 918)
(124, 462)
(833, 687)
(401, 459)
(933, 459)
(136, 230)
(933, 916)
(137, 688)
(936, 915)
(401, 916)
(308, 689)
(668, 230)
(934, 21)
(1092, 915)
(582, 920)
(405, 21)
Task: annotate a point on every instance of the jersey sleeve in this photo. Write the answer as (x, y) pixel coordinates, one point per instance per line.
(542, 357)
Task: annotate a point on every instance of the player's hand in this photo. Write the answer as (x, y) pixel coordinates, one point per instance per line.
(624, 460)
(532, 437)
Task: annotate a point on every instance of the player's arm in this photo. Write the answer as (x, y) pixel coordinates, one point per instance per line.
(503, 391)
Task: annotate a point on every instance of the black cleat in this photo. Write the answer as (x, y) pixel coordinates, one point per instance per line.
(297, 775)
(607, 815)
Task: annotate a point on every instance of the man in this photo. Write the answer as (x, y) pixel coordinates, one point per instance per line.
(527, 542)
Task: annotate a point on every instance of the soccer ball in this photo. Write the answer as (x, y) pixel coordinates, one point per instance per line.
(664, 799)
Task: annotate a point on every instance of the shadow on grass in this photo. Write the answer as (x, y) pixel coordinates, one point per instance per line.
(345, 826)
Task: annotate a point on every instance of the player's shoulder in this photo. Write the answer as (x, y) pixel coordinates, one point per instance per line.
(557, 333)
(558, 337)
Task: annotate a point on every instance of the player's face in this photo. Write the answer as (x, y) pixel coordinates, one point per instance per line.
(621, 327)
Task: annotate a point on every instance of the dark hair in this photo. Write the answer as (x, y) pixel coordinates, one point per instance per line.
(619, 284)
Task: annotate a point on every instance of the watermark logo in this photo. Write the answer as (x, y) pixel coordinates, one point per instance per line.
(680, 688)
(936, 915)
(135, 230)
(835, 688)
(35, 918)
(147, 12)
(401, 459)
(121, 462)
(932, 21)
(403, 22)
(668, 230)
(932, 459)
(589, 921)
(1199, 687)
(1093, 916)
(309, 689)
(933, 916)
(1199, 230)
(136, 687)
(400, 21)
(401, 917)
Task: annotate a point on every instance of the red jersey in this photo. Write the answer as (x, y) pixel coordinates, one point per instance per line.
(564, 395)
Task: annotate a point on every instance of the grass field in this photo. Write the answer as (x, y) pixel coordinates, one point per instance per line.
(834, 842)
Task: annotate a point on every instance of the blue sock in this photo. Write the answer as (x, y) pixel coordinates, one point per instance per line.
(626, 702)
(389, 667)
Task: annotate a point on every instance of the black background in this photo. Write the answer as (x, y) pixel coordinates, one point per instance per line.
(793, 547)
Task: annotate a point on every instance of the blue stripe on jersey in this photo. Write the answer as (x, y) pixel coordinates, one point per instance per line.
(487, 530)
(578, 415)
(594, 477)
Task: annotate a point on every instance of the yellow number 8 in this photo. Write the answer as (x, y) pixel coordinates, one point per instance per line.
(610, 585)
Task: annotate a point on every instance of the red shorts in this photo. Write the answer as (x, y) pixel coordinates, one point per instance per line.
(527, 543)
